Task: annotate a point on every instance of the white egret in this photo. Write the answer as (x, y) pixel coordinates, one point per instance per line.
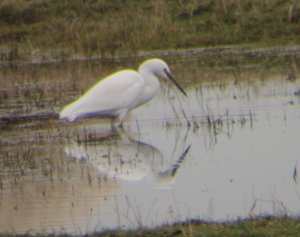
(117, 94)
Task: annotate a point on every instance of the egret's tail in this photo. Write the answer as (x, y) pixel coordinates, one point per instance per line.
(68, 114)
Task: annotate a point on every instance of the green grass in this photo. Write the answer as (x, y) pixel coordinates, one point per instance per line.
(62, 28)
(259, 227)
(255, 227)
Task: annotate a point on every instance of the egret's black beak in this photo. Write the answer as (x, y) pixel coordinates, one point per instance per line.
(175, 82)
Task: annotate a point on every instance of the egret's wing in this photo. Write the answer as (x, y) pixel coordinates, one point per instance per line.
(109, 96)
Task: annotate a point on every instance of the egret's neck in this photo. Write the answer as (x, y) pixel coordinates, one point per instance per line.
(152, 86)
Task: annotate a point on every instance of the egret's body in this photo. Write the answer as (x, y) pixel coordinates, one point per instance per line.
(117, 94)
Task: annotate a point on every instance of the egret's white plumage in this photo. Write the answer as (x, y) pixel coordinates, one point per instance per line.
(117, 94)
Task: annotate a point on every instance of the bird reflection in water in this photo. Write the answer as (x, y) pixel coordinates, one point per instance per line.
(119, 156)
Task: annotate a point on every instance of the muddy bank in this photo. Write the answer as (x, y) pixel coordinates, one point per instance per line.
(210, 54)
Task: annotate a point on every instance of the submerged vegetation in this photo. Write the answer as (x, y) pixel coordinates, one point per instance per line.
(57, 29)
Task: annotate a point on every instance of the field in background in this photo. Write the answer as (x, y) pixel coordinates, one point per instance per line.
(39, 29)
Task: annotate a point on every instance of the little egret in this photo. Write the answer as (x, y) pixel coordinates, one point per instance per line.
(117, 94)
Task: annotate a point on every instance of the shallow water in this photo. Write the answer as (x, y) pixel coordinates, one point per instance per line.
(229, 150)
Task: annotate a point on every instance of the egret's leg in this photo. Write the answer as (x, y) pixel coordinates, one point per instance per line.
(120, 125)
(122, 117)
(112, 122)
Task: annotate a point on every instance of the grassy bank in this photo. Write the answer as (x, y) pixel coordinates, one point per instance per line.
(254, 227)
(63, 28)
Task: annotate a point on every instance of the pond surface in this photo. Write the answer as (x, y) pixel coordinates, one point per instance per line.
(229, 150)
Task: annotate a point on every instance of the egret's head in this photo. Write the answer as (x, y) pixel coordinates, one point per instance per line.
(160, 69)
